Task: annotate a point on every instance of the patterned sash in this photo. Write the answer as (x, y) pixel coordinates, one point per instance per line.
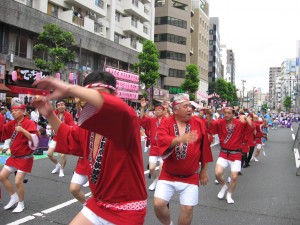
(15, 133)
(181, 152)
(96, 167)
(230, 132)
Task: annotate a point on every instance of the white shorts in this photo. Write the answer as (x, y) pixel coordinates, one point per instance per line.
(13, 169)
(79, 179)
(258, 147)
(188, 193)
(52, 144)
(155, 159)
(235, 166)
(91, 216)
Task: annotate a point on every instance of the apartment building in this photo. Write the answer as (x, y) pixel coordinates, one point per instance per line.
(231, 65)
(172, 36)
(215, 64)
(288, 80)
(274, 72)
(107, 33)
(200, 44)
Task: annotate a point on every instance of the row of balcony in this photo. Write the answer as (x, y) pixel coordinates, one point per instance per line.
(133, 7)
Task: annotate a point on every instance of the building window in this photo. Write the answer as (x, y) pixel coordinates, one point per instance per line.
(173, 55)
(118, 16)
(134, 21)
(145, 29)
(135, 3)
(52, 10)
(170, 38)
(117, 38)
(99, 3)
(29, 3)
(176, 73)
(171, 21)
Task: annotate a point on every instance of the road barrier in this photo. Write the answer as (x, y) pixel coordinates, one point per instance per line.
(295, 149)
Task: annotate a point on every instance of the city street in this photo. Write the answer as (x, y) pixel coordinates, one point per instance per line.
(267, 193)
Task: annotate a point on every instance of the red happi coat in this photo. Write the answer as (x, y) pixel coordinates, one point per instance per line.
(67, 119)
(229, 139)
(183, 160)
(151, 124)
(259, 134)
(19, 144)
(117, 174)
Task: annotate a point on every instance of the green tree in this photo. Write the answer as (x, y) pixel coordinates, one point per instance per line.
(287, 103)
(264, 107)
(54, 43)
(191, 81)
(222, 88)
(148, 67)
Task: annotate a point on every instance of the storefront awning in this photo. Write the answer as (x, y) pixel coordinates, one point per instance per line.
(3, 88)
(29, 91)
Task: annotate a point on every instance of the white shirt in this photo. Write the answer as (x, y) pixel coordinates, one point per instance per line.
(34, 115)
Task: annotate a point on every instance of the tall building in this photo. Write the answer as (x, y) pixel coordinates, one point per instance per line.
(125, 22)
(288, 80)
(173, 28)
(215, 65)
(231, 65)
(274, 72)
(107, 33)
(200, 44)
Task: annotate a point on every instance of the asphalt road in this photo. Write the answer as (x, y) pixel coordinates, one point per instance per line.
(267, 193)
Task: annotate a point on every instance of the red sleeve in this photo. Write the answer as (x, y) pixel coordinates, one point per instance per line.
(69, 119)
(2, 121)
(165, 138)
(213, 127)
(145, 122)
(206, 155)
(68, 140)
(115, 120)
(8, 130)
(32, 127)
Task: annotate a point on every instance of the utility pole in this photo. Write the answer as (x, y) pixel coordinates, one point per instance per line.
(243, 82)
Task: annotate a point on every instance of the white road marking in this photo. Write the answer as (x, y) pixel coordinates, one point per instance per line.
(293, 136)
(54, 208)
(50, 210)
(297, 157)
(292, 128)
(23, 220)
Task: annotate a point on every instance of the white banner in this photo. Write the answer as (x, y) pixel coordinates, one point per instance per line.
(3, 96)
(2, 71)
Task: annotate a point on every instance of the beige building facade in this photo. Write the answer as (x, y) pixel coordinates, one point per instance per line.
(200, 46)
(172, 36)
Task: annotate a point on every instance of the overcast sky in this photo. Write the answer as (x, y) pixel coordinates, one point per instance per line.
(261, 33)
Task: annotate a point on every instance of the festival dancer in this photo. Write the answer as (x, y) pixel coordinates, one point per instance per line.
(117, 180)
(230, 131)
(24, 140)
(67, 118)
(151, 124)
(183, 144)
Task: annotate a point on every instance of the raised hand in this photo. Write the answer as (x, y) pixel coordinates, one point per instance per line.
(143, 102)
(59, 88)
(43, 105)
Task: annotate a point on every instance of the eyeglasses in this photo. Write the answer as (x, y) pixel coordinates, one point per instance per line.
(60, 104)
